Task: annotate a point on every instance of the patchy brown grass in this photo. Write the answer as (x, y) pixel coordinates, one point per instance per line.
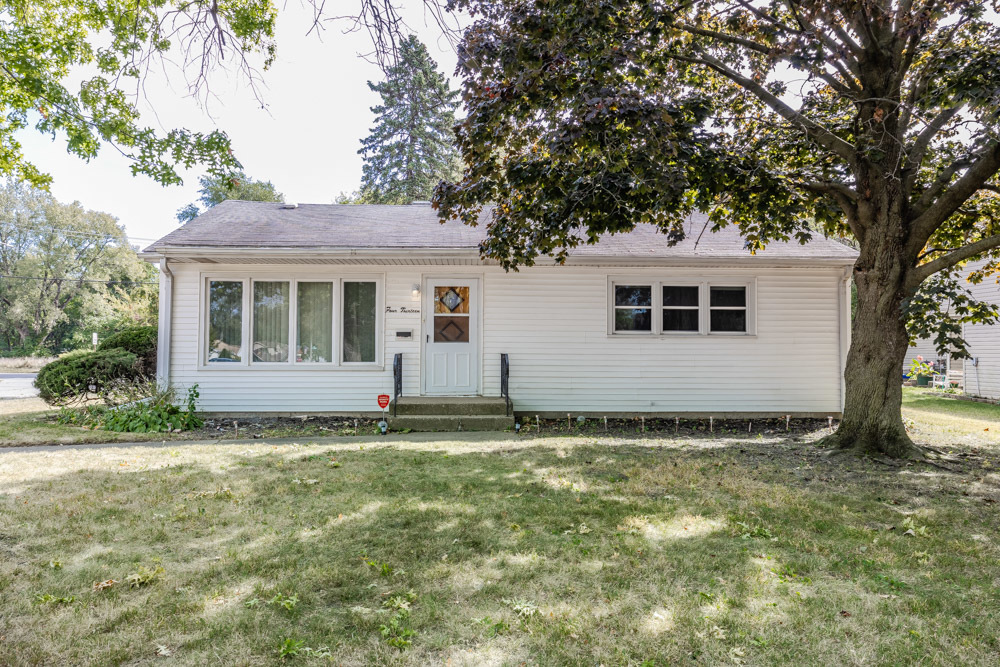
(498, 549)
(23, 364)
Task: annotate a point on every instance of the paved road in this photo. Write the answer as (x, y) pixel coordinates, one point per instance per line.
(17, 385)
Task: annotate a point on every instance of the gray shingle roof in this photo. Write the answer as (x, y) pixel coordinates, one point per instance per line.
(264, 225)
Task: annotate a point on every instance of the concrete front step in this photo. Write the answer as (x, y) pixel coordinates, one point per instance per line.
(450, 422)
(450, 405)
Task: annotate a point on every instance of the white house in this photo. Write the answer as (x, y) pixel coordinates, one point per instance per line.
(280, 309)
(979, 375)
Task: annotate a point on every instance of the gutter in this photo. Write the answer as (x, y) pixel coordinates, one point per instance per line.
(164, 324)
(844, 329)
(248, 254)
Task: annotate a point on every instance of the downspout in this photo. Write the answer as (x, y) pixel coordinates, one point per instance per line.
(844, 330)
(166, 313)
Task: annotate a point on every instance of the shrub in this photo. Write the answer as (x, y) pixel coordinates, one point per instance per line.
(75, 375)
(140, 341)
(154, 414)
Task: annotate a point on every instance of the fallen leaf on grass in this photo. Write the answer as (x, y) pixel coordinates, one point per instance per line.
(102, 585)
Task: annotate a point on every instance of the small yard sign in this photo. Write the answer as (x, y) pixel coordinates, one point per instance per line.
(383, 401)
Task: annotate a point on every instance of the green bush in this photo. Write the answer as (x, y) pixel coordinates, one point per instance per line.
(154, 414)
(140, 341)
(75, 375)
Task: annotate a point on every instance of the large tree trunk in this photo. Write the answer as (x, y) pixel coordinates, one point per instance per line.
(872, 421)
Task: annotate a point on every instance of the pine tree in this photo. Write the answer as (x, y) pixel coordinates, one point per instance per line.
(411, 147)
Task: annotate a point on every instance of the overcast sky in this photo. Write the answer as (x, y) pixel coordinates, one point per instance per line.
(305, 142)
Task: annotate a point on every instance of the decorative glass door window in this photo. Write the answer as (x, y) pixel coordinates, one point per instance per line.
(633, 308)
(728, 309)
(451, 314)
(225, 321)
(680, 308)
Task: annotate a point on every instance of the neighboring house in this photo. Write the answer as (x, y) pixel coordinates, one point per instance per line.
(979, 375)
(272, 308)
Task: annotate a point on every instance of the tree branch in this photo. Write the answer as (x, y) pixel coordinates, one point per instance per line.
(812, 129)
(723, 37)
(845, 197)
(924, 271)
(982, 170)
(915, 155)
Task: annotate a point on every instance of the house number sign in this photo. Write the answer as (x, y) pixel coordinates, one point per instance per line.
(402, 309)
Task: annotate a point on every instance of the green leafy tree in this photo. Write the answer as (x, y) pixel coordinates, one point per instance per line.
(46, 44)
(236, 185)
(63, 267)
(874, 119)
(412, 145)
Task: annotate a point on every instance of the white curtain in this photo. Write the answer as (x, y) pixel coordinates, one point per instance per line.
(270, 321)
(315, 322)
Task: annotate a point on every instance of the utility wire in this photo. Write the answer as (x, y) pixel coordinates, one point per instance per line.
(85, 280)
(72, 232)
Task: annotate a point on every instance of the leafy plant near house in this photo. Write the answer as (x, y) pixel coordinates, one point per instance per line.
(152, 411)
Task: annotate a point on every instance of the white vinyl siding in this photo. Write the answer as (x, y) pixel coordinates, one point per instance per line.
(983, 377)
(554, 324)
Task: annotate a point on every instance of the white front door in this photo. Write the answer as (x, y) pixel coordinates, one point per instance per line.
(451, 336)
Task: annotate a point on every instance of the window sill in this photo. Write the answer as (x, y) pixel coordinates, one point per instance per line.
(680, 334)
(293, 368)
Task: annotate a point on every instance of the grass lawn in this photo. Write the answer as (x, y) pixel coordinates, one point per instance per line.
(499, 549)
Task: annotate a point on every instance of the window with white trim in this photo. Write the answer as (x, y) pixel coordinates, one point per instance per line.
(225, 322)
(633, 308)
(681, 306)
(360, 315)
(275, 322)
(314, 322)
(727, 309)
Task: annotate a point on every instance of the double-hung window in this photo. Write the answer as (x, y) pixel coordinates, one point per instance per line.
(680, 308)
(274, 323)
(688, 306)
(633, 308)
(727, 309)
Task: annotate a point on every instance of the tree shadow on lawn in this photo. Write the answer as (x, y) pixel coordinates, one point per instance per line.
(555, 552)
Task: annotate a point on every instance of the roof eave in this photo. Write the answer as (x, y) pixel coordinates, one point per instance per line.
(191, 252)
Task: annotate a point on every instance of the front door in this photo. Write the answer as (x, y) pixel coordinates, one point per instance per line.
(451, 337)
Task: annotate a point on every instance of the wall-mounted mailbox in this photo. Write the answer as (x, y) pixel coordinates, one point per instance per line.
(404, 333)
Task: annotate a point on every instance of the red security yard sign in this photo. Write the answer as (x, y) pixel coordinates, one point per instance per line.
(383, 401)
